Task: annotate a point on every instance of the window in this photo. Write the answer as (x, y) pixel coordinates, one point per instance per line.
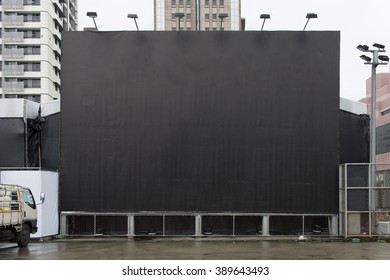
(214, 2)
(31, 49)
(31, 17)
(28, 198)
(188, 16)
(32, 2)
(214, 16)
(173, 2)
(188, 2)
(207, 16)
(31, 83)
(221, 2)
(207, 2)
(385, 112)
(31, 33)
(31, 66)
(181, 2)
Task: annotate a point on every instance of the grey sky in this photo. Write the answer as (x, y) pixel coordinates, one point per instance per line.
(360, 22)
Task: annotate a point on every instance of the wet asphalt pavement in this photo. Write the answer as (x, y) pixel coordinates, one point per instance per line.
(194, 249)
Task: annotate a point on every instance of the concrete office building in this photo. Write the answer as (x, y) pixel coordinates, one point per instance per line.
(200, 15)
(382, 115)
(31, 38)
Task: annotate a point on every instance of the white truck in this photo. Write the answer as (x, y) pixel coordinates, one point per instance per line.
(18, 214)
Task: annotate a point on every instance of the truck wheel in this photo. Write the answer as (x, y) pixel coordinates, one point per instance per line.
(24, 236)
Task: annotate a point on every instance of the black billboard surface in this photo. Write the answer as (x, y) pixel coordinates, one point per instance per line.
(354, 138)
(12, 142)
(50, 142)
(200, 121)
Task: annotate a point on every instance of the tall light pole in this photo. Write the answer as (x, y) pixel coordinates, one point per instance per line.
(374, 62)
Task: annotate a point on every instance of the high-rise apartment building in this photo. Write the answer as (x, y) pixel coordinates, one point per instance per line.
(31, 34)
(203, 15)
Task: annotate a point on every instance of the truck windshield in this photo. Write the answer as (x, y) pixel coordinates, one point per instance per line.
(29, 198)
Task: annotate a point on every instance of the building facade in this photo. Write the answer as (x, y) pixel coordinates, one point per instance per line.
(382, 115)
(199, 15)
(31, 39)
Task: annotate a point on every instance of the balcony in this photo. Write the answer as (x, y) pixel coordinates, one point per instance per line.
(13, 70)
(12, 4)
(13, 37)
(13, 20)
(13, 53)
(13, 86)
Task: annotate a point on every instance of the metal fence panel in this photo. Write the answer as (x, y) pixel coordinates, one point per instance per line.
(112, 225)
(248, 225)
(148, 225)
(180, 225)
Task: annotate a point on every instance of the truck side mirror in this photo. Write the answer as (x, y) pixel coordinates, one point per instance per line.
(42, 197)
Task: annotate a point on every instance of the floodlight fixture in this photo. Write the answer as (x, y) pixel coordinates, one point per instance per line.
(93, 15)
(363, 48)
(222, 16)
(179, 16)
(134, 16)
(264, 17)
(379, 46)
(309, 16)
(384, 58)
(365, 58)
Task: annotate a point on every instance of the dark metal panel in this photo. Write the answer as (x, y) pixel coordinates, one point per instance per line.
(200, 121)
(50, 142)
(354, 138)
(12, 143)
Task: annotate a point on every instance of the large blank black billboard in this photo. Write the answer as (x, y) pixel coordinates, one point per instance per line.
(200, 121)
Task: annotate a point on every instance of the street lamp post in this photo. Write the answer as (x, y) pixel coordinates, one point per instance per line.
(179, 16)
(222, 16)
(374, 62)
(134, 16)
(93, 15)
(264, 17)
(309, 16)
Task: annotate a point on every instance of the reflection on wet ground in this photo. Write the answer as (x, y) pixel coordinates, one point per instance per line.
(194, 249)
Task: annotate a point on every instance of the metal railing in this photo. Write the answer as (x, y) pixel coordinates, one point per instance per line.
(13, 70)
(13, 20)
(10, 37)
(13, 86)
(197, 224)
(13, 4)
(364, 200)
(13, 53)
